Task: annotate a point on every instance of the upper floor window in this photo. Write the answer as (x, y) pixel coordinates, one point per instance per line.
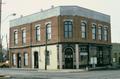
(23, 36)
(25, 59)
(68, 29)
(37, 33)
(16, 37)
(83, 29)
(93, 31)
(105, 34)
(48, 28)
(100, 32)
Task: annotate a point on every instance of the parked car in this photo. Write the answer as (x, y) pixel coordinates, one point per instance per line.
(4, 64)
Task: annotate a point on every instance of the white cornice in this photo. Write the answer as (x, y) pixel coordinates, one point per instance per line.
(61, 10)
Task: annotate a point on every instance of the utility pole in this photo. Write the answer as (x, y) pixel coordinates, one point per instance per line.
(7, 48)
(1, 57)
(45, 47)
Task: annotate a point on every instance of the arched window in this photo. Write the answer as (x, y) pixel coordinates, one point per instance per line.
(93, 31)
(37, 33)
(48, 28)
(23, 36)
(83, 29)
(100, 32)
(105, 34)
(68, 29)
(16, 37)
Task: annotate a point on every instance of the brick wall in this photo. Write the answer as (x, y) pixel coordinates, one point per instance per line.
(77, 30)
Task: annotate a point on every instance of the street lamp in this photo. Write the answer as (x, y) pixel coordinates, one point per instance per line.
(13, 14)
(1, 55)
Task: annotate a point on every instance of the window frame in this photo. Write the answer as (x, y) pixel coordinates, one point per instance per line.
(37, 32)
(14, 59)
(100, 32)
(15, 37)
(68, 29)
(25, 59)
(23, 36)
(105, 33)
(83, 32)
(48, 31)
(94, 30)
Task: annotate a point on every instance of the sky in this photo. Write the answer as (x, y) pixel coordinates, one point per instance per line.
(26, 7)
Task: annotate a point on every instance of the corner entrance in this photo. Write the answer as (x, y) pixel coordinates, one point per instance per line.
(68, 58)
(18, 60)
(35, 59)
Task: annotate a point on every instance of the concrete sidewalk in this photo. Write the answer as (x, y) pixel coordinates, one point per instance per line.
(42, 70)
(63, 70)
(58, 70)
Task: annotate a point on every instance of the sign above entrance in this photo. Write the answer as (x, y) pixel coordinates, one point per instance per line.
(84, 53)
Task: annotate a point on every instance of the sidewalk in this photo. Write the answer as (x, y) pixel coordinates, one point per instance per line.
(42, 70)
(63, 70)
(59, 70)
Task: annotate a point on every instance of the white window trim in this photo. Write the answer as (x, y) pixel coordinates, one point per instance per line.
(15, 30)
(49, 22)
(23, 28)
(36, 25)
(68, 20)
(94, 24)
(105, 26)
(100, 25)
(84, 21)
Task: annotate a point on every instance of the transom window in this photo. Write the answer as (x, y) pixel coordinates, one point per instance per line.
(83, 29)
(83, 49)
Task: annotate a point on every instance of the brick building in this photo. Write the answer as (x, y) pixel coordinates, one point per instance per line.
(76, 38)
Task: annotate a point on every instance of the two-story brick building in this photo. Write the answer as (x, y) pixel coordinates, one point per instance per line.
(76, 38)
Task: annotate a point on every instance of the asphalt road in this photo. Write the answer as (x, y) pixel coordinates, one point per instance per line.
(18, 74)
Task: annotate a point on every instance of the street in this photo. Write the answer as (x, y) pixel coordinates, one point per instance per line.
(20, 74)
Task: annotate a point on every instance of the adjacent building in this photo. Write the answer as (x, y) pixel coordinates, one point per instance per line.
(116, 54)
(76, 37)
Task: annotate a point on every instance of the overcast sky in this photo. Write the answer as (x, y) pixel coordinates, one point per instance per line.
(26, 7)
